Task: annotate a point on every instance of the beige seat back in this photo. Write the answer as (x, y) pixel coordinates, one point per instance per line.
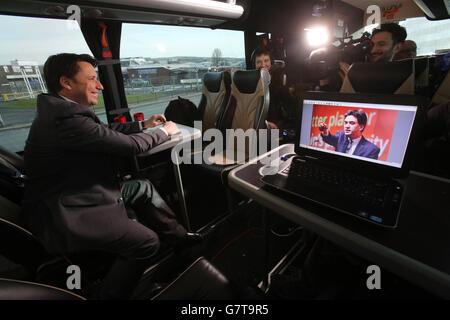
(247, 109)
(215, 97)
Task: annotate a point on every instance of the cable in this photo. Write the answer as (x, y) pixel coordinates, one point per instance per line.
(287, 234)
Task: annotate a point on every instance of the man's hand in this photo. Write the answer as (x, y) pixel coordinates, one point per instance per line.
(171, 128)
(323, 128)
(271, 125)
(154, 121)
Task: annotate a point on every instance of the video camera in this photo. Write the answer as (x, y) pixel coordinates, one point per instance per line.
(355, 50)
(324, 62)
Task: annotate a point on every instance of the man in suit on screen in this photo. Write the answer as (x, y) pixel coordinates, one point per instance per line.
(351, 140)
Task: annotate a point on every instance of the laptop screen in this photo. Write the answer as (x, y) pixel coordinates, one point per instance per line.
(371, 132)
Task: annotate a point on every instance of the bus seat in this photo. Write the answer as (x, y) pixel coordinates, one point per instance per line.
(421, 70)
(247, 108)
(249, 101)
(200, 281)
(17, 243)
(23, 290)
(396, 77)
(13, 159)
(11, 182)
(215, 96)
(443, 92)
(10, 211)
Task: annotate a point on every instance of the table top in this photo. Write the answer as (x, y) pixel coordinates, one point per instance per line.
(418, 249)
(186, 134)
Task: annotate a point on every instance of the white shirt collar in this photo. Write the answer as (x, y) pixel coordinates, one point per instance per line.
(354, 144)
(356, 141)
(65, 98)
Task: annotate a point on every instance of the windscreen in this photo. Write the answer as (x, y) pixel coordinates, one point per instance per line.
(365, 131)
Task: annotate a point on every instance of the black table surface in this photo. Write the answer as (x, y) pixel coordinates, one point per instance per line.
(418, 249)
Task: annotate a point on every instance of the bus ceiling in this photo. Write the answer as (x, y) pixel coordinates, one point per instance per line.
(432, 9)
(281, 17)
(199, 13)
(290, 16)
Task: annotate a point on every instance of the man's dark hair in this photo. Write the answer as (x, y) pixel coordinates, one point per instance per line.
(63, 64)
(260, 51)
(360, 115)
(398, 32)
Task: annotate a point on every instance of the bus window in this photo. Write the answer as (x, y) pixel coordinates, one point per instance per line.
(427, 34)
(160, 63)
(26, 44)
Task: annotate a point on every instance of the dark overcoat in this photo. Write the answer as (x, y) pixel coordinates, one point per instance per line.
(72, 199)
(364, 148)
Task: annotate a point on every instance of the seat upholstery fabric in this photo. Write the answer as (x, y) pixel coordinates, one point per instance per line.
(215, 96)
(23, 290)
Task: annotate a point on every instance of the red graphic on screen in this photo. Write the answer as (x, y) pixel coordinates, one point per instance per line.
(379, 128)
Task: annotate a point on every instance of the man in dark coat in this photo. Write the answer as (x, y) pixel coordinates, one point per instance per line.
(74, 200)
(351, 140)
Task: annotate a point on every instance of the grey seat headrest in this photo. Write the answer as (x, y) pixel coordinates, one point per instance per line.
(212, 81)
(246, 81)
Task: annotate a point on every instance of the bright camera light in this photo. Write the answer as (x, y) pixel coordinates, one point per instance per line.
(317, 36)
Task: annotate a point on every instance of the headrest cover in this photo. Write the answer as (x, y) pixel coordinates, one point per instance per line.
(379, 77)
(246, 81)
(212, 81)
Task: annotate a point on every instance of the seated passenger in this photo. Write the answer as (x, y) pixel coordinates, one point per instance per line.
(386, 42)
(408, 49)
(74, 199)
(277, 115)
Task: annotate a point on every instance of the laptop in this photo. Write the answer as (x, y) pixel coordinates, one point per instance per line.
(351, 153)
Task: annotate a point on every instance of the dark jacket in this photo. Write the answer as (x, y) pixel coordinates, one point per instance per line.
(72, 199)
(364, 148)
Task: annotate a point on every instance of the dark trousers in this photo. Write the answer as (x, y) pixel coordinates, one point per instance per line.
(155, 221)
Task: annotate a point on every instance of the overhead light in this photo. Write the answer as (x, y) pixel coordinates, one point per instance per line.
(200, 7)
(317, 36)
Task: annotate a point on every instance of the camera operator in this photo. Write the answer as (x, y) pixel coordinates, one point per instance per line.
(386, 42)
(330, 65)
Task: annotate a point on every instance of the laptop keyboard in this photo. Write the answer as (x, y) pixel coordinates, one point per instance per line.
(371, 192)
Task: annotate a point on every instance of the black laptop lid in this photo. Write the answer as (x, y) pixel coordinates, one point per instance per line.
(384, 146)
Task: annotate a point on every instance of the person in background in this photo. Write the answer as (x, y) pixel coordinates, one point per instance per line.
(386, 41)
(276, 115)
(408, 49)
